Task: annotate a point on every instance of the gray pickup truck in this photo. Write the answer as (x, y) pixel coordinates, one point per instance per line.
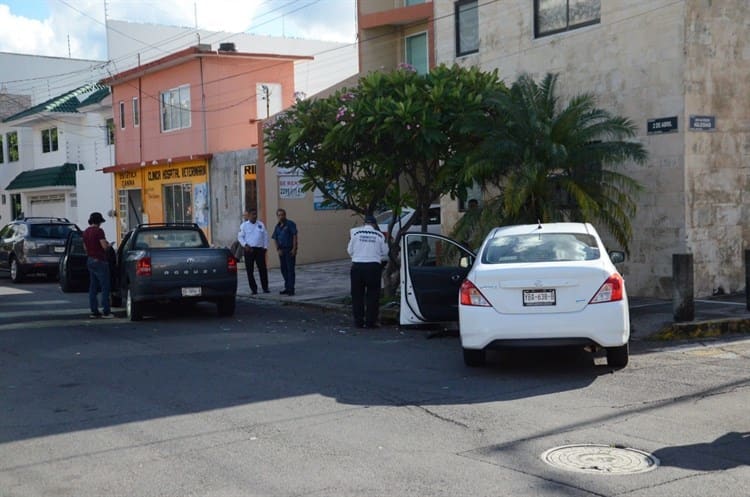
(172, 262)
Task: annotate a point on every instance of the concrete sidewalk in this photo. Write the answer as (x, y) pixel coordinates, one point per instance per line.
(326, 284)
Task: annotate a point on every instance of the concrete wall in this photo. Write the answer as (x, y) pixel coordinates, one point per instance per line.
(226, 178)
(716, 163)
(635, 63)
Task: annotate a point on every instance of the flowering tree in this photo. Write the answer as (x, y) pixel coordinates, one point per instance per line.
(398, 138)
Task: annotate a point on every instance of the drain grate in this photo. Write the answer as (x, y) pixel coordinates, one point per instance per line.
(600, 459)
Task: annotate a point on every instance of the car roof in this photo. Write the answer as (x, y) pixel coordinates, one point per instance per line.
(43, 220)
(523, 229)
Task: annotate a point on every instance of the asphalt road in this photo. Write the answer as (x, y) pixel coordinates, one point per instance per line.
(290, 401)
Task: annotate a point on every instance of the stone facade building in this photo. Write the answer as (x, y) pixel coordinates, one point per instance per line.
(678, 69)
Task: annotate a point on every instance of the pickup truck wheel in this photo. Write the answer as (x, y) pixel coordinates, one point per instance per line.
(16, 275)
(225, 306)
(133, 309)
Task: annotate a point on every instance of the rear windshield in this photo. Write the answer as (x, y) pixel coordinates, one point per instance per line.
(39, 230)
(540, 247)
(166, 238)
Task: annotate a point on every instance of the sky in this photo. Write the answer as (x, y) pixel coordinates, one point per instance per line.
(76, 28)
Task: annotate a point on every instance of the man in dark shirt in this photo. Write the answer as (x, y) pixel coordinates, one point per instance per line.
(96, 246)
(285, 236)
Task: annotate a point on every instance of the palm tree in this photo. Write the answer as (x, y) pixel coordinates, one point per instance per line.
(555, 163)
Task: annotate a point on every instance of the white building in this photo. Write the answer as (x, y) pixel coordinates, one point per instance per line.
(130, 44)
(50, 156)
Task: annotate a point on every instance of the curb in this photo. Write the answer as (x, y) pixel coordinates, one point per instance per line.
(703, 329)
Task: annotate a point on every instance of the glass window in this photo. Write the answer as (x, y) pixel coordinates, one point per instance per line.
(12, 139)
(136, 112)
(49, 140)
(467, 27)
(407, 3)
(110, 131)
(554, 16)
(122, 115)
(541, 247)
(2, 150)
(175, 108)
(416, 53)
(178, 203)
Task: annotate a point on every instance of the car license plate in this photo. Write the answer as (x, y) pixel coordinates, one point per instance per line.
(59, 250)
(539, 297)
(191, 291)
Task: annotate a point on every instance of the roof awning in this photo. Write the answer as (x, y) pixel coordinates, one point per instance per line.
(64, 175)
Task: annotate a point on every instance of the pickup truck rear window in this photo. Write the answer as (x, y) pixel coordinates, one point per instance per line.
(168, 239)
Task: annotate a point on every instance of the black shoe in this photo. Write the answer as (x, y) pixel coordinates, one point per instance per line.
(95, 315)
(372, 326)
(290, 293)
(284, 292)
(255, 292)
(359, 325)
(266, 290)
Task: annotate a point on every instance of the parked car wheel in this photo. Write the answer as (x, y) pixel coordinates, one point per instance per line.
(16, 275)
(617, 357)
(225, 306)
(475, 358)
(134, 310)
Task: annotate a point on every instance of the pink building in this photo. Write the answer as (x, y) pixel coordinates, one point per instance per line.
(186, 136)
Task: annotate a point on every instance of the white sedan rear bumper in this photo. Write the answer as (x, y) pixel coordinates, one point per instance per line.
(606, 324)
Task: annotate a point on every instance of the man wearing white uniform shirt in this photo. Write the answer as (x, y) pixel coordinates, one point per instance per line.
(253, 237)
(367, 248)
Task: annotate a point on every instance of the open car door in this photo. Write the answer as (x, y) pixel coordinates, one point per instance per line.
(73, 274)
(432, 270)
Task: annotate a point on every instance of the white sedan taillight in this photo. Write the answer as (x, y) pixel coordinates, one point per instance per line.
(470, 295)
(610, 291)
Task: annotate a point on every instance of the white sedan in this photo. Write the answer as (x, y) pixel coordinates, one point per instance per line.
(529, 285)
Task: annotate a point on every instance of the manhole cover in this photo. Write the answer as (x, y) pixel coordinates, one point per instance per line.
(600, 459)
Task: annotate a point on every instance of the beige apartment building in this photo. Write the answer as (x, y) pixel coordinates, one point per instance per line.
(679, 70)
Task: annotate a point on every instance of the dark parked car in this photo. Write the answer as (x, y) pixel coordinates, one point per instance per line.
(33, 245)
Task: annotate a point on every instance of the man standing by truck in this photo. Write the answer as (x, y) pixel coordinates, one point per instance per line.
(96, 244)
(253, 237)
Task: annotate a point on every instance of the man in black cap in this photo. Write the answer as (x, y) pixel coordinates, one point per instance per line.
(367, 248)
(95, 242)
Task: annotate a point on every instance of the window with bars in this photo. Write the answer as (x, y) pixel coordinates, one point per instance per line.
(178, 203)
(2, 150)
(467, 27)
(555, 16)
(49, 140)
(175, 108)
(136, 112)
(122, 115)
(110, 131)
(12, 139)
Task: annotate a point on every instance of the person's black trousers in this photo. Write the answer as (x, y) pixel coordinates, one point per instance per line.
(256, 256)
(365, 279)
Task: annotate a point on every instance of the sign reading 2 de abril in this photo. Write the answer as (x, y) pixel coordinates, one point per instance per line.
(661, 125)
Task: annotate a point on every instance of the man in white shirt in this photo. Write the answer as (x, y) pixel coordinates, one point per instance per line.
(367, 248)
(253, 237)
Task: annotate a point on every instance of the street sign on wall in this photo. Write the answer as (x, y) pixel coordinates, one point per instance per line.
(702, 123)
(661, 125)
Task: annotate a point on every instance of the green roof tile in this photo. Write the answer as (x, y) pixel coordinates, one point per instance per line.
(64, 175)
(67, 102)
